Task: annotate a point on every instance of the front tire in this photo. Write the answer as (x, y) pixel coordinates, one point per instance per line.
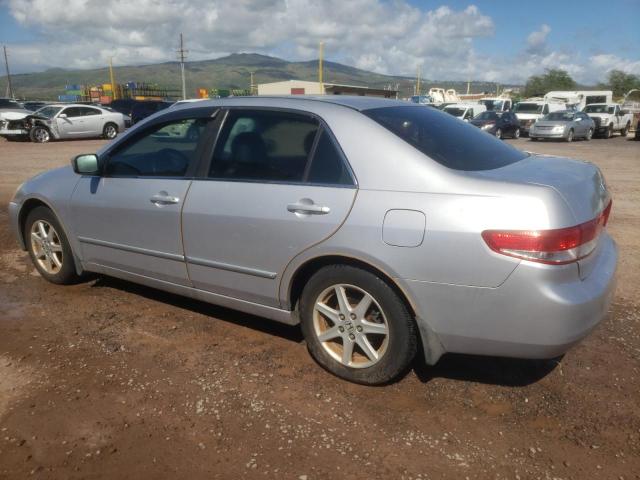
(608, 133)
(356, 326)
(625, 130)
(570, 136)
(39, 134)
(499, 133)
(110, 131)
(516, 134)
(49, 247)
(589, 135)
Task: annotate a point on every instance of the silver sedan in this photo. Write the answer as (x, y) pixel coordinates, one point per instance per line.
(564, 124)
(382, 228)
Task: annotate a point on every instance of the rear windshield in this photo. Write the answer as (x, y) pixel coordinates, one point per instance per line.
(446, 139)
(456, 112)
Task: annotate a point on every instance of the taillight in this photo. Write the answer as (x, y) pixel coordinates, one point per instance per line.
(556, 247)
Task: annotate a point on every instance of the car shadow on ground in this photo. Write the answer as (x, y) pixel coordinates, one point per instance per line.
(470, 368)
(506, 372)
(287, 332)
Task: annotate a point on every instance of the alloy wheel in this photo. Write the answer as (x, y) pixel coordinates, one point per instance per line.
(351, 326)
(41, 135)
(110, 131)
(46, 246)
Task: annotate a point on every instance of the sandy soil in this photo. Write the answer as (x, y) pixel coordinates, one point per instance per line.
(107, 379)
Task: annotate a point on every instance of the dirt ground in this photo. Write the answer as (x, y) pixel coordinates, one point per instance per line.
(107, 379)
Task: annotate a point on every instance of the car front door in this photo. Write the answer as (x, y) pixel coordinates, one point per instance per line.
(277, 184)
(70, 122)
(128, 219)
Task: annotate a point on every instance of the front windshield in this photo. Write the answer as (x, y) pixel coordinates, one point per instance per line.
(48, 112)
(527, 108)
(560, 116)
(486, 116)
(456, 112)
(598, 109)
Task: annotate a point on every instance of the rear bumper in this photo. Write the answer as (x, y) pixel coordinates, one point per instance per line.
(540, 311)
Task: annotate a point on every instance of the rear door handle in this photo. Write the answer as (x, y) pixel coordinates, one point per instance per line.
(163, 198)
(308, 208)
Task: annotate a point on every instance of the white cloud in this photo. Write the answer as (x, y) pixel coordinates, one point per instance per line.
(387, 36)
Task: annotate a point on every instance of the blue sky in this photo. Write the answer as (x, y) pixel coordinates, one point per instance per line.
(498, 40)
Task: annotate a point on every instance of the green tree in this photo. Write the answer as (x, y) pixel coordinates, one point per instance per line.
(552, 79)
(620, 82)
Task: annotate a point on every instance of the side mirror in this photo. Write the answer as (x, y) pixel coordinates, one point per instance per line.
(579, 119)
(86, 164)
(62, 115)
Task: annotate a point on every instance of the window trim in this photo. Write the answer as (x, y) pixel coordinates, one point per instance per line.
(192, 169)
(203, 172)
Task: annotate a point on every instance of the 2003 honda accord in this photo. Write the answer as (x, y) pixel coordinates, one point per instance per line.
(383, 228)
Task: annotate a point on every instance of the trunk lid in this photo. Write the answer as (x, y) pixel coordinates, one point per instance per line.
(580, 184)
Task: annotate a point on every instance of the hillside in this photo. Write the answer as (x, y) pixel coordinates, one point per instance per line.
(232, 71)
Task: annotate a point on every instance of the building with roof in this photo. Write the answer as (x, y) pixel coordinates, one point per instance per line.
(302, 87)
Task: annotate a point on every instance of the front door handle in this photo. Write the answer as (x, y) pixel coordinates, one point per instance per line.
(163, 198)
(307, 207)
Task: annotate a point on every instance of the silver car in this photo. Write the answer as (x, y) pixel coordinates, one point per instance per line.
(382, 227)
(64, 122)
(563, 124)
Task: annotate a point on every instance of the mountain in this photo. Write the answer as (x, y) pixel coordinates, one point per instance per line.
(233, 71)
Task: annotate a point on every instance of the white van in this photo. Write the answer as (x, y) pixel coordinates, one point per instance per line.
(532, 109)
(496, 104)
(464, 111)
(579, 99)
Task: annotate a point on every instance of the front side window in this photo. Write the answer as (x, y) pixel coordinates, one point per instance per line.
(264, 145)
(167, 150)
(441, 137)
(86, 111)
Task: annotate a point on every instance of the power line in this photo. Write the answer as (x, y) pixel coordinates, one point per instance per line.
(182, 55)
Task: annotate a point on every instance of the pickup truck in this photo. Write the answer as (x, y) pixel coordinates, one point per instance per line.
(609, 118)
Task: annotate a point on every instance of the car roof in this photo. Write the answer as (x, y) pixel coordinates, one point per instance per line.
(299, 101)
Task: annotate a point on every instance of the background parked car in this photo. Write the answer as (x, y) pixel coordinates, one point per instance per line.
(609, 118)
(65, 122)
(464, 111)
(33, 105)
(564, 124)
(142, 110)
(498, 124)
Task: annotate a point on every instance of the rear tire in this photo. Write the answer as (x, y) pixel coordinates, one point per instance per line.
(356, 326)
(499, 133)
(110, 131)
(39, 134)
(533, 139)
(49, 247)
(516, 134)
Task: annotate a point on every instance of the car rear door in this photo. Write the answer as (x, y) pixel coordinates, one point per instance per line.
(93, 121)
(128, 219)
(277, 184)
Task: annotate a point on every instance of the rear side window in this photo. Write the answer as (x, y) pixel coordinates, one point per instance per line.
(264, 145)
(445, 139)
(328, 166)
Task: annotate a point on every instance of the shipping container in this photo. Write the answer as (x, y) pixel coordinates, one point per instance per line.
(105, 100)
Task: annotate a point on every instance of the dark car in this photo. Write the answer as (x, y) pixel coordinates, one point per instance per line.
(123, 105)
(34, 105)
(142, 110)
(501, 125)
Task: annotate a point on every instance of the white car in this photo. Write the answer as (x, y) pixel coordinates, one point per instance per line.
(609, 118)
(465, 111)
(533, 109)
(64, 122)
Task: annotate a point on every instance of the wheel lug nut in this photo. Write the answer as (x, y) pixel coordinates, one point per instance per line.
(341, 316)
(359, 328)
(352, 336)
(353, 316)
(341, 329)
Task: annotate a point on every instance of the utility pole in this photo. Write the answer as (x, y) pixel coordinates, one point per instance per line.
(182, 55)
(252, 86)
(320, 68)
(418, 81)
(113, 83)
(6, 66)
